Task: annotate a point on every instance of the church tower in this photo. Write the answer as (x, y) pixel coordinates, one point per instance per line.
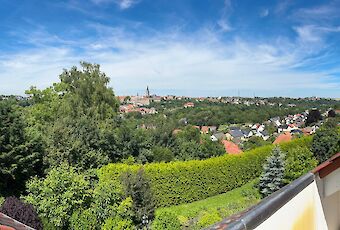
(147, 93)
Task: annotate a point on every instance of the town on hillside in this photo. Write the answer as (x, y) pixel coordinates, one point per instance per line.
(235, 137)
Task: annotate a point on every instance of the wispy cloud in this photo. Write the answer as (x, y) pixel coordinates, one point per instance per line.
(223, 22)
(283, 6)
(264, 13)
(314, 33)
(122, 4)
(202, 62)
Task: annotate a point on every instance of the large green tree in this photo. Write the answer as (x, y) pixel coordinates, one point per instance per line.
(20, 154)
(76, 118)
(326, 142)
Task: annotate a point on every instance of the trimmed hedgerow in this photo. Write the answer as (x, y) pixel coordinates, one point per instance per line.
(187, 181)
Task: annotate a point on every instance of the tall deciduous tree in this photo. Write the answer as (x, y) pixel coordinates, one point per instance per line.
(86, 92)
(75, 117)
(326, 142)
(313, 116)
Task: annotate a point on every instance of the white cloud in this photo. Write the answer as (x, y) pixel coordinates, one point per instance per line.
(224, 25)
(264, 13)
(223, 22)
(283, 6)
(318, 12)
(123, 4)
(314, 33)
(198, 62)
(308, 33)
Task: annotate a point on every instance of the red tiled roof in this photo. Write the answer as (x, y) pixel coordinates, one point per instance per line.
(231, 147)
(189, 104)
(205, 129)
(284, 137)
(3, 227)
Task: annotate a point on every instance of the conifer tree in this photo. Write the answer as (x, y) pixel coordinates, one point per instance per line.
(20, 154)
(272, 178)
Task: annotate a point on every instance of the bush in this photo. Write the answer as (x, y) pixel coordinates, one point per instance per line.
(271, 179)
(107, 206)
(326, 142)
(299, 161)
(225, 204)
(166, 221)
(84, 219)
(58, 195)
(138, 188)
(208, 218)
(184, 182)
(162, 154)
(122, 219)
(118, 224)
(21, 211)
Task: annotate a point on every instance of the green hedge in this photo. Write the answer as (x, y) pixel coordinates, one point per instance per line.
(187, 181)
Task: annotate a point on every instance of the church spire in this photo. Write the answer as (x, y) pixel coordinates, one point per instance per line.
(147, 91)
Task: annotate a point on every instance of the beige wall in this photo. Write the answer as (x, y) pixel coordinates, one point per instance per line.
(304, 211)
(331, 205)
(329, 190)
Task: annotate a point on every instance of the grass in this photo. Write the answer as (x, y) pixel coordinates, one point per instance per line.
(213, 209)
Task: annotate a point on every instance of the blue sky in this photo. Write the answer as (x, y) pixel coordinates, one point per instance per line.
(183, 47)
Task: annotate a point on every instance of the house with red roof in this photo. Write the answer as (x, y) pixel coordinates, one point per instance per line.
(205, 129)
(189, 105)
(231, 148)
(284, 137)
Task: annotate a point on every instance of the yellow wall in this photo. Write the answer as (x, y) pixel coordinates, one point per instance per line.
(302, 212)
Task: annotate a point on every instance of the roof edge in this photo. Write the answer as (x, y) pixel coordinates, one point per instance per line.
(13, 223)
(328, 166)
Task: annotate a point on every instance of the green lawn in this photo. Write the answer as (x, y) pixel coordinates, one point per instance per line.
(205, 212)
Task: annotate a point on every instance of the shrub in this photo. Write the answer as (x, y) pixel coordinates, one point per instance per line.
(84, 219)
(122, 218)
(299, 161)
(271, 179)
(138, 188)
(208, 218)
(108, 206)
(117, 224)
(166, 221)
(58, 195)
(21, 211)
(162, 154)
(326, 142)
(184, 182)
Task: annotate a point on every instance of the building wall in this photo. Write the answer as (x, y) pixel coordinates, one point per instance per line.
(331, 206)
(304, 211)
(329, 190)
